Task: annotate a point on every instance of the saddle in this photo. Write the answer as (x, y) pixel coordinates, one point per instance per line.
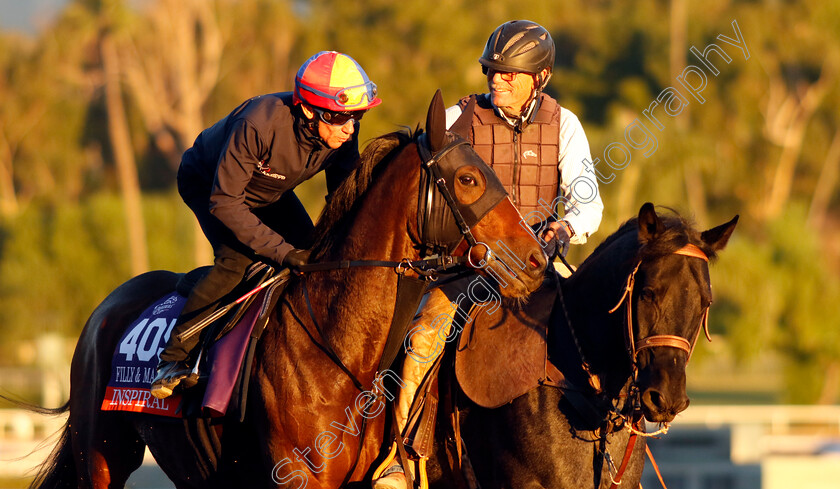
(224, 357)
(502, 355)
(496, 359)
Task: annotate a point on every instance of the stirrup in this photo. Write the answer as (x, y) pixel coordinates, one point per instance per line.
(386, 481)
(169, 376)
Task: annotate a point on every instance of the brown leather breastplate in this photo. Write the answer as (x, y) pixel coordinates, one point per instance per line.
(526, 162)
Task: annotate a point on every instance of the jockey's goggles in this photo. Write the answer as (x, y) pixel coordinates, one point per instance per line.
(348, 97)
(338, 118)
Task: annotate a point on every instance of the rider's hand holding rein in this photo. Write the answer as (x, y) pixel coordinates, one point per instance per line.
(557, 238)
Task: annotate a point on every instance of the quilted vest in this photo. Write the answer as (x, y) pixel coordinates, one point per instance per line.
(524, 160)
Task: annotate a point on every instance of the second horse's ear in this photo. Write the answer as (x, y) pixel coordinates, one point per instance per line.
(463, 125)
(436, 123)
(650, 225)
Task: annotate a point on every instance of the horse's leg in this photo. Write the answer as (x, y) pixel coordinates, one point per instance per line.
(185, 450)
(106, 446)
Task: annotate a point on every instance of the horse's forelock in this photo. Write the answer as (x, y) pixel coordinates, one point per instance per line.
(355, 185)
(679, 231)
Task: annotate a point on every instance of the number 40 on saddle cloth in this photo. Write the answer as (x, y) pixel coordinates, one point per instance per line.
(136, 358)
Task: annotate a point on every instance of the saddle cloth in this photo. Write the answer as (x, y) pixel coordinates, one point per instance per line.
(137, 355)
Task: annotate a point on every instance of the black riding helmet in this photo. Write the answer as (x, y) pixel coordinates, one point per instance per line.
(520, 46)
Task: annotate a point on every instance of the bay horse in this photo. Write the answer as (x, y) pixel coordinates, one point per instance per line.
(621, 332)
(309, 423)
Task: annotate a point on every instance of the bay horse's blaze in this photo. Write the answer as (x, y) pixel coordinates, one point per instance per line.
(304, 423)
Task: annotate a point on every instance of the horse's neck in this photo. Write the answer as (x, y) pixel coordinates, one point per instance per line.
(590, 294)
(354, 307)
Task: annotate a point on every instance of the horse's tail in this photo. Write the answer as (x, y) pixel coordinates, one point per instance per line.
(58, 471)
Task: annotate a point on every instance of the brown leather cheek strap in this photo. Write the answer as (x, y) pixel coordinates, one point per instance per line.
(633, 346)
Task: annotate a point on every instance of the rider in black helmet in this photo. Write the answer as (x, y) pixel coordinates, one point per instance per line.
(537, 149)
(520, 46)
(518, 60)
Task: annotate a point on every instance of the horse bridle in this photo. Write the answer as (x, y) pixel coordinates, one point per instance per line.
(635, 346)
(443, 222)
(443, 240)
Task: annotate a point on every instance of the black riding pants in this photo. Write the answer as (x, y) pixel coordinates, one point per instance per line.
(287, 217)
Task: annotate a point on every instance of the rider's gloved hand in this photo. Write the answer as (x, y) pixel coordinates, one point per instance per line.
(296, 258)
(557, 237)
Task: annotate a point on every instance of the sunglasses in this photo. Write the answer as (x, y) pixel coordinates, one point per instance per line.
(349, 97)
(505, 75)
(337, 118)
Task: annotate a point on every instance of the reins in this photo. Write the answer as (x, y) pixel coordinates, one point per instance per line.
(426, 267)
(633, 347)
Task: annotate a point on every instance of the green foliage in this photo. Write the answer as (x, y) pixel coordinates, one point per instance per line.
(774, 285)
(58, 262)
(49, 255)
(774, 293)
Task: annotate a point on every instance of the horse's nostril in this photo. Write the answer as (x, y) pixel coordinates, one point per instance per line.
(655, 399)
(533, 261)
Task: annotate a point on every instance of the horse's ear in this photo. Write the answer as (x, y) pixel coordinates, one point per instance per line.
(716, 238)
(649, 223)
(463, 125)
(436, 122)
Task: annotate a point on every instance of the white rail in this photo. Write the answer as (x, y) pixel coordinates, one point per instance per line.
(775, 419)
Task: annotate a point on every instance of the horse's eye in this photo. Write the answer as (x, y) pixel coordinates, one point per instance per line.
(467, 180)
(647, 294)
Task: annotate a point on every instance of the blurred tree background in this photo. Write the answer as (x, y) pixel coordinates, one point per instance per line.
(97, 107)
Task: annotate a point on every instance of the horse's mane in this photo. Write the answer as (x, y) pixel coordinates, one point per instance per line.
(679, 231)
(342, 202)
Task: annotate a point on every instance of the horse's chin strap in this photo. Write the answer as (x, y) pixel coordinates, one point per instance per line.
(654, 341)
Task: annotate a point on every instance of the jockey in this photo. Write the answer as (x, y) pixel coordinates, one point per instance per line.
(538, 149)
(239, 176)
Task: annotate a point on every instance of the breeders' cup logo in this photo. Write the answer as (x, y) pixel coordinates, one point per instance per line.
(529, 153)
(164, 306)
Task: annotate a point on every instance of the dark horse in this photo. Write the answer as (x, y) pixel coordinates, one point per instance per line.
(308, 423)
(632, 312)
